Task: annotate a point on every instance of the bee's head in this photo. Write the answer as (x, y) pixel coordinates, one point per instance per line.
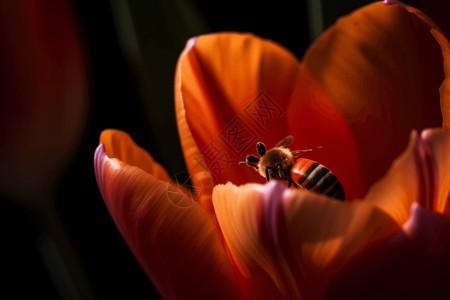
(278, 162)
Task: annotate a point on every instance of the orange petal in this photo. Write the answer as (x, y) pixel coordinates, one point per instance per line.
(238, 211)
(120, 145)
(200, 174)
(290, 242)
(172, 237)
(382, 67)
(233, 89)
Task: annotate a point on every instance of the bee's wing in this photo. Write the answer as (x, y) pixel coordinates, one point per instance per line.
(286, 142)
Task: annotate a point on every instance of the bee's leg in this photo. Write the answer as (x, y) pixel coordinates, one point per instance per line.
(292, 182)
(267, 173)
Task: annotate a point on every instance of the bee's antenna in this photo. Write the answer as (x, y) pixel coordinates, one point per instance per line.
(248, 164)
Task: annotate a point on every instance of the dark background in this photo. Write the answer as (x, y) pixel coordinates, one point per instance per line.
(120, 99)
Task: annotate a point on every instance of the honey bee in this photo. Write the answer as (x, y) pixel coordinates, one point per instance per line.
(280, 163)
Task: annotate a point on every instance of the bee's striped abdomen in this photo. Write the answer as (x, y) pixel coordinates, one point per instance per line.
(316, 177)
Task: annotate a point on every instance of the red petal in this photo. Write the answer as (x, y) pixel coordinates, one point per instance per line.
(382, 67)
(44, 92)
(315, 120)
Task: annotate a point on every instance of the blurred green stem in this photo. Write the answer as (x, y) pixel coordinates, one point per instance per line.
(58, 255)
(315, 21)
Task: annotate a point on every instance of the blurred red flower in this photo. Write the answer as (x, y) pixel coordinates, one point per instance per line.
(44, 90)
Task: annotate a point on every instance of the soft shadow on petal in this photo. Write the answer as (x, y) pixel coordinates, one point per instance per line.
(382, 67)
(174, 239)
(412, 264)
(443, 42)
(234, 89)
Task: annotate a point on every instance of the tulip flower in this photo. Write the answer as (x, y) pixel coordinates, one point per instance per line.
(366, 91)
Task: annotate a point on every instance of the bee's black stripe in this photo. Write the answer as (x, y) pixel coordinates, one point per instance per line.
(325, 182)
(308, 172)
(335, 190)
(340, 194)
(315, 176)
(321, 180)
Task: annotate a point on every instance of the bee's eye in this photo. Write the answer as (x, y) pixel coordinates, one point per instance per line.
(261, 149)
